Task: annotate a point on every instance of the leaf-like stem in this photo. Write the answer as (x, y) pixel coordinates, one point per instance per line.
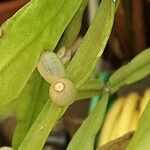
(137, 69)
(39, 131)
(90, 88)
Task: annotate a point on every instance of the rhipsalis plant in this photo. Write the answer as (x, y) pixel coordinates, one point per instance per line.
(39, 97)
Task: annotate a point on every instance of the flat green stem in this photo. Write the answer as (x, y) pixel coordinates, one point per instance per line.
(39, 131)
(137, 69)
(90, 88)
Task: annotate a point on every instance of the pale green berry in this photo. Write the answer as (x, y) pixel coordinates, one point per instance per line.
(50, 67)
(63, 92)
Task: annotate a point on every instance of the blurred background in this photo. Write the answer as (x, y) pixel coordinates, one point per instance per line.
(130, 35)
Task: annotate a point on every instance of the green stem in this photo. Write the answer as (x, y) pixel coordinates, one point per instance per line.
(44, 123)
(90, 88)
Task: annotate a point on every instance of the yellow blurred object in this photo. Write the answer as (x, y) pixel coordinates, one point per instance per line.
(109, 122)
(114, 130)
(144, 100)
(127, 113)
(123, 116)
(134, 122)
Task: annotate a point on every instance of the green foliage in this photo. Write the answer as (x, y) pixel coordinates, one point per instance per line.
(36, 27)
(137, 69)
(72, 30)
(90, 88)
(39, 131)
(48, 25)
(30, 103)
(93, 44)
(35, 127)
